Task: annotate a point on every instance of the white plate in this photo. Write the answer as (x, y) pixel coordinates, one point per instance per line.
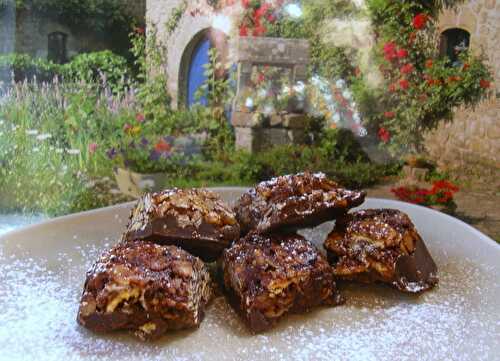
(42, 269)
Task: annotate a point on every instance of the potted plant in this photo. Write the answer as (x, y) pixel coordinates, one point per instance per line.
(439, 196)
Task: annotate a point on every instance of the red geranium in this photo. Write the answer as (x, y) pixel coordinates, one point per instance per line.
(259, 30)
(163, 146)
(485, 84)
(444, 184)
(243, 30)
(420, 20)
(262, 10)
(402, 53)
(384, 135)
(390, 52)
(406, 69)
(404, 84)
(389, 115)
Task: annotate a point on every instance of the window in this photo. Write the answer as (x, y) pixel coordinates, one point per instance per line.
(57, 47)
(452, 41)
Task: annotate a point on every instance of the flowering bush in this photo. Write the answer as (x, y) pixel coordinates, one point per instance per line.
(258, 16)
(422, 88)
(441, 193)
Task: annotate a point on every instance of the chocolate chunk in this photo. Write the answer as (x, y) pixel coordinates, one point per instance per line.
(146, 288)
(294, 202)
(196, 220)
(381, 245)
(268, 276)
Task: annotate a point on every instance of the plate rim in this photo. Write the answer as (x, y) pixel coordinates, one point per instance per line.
(483, 237)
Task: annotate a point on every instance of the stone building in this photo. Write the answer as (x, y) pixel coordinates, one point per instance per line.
(199, 27)
(474, 135)
(44, 36)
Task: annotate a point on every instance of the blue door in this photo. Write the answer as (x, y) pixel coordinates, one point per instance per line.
(196, 74)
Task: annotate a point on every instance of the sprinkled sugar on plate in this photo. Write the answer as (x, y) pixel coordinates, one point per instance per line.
(43, 268)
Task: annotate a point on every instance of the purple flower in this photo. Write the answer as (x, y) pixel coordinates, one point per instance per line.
(144, 142)
(154, 156)
(111, 153)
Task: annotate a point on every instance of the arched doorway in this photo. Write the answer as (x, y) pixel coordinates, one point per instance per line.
(195, 57)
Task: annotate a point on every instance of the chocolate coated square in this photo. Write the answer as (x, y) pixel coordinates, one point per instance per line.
(269, 276)
(146, 288)
(381, 245)
(196, 220)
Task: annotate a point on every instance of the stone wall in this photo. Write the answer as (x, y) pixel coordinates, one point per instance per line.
(32, 31)
(25, 31)
(198, 18)
(474, 135)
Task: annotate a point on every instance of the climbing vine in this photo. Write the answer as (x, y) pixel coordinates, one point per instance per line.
(175, 17)
(420, 86)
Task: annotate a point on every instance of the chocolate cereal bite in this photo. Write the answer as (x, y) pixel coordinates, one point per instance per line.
(381, 245)
(196, 220)
(146, 288)
(269, 276)
(293, 202)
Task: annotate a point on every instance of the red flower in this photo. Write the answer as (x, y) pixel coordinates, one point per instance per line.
(429, 63)
(390, 51)
(454, 78)
(92, 148)
(271, 18)
(259, 30)
(392, 88)
(243, 30)
(245, 3)
(444, 184)
(402, 53)
(262, 10)
(404, 84)
(389, 115)
(261, 77)
(466, 66)
(163, 146)
(406, 69)
(139, 117)
(485, 84)
(139, 31)
(384, 135)
(420, 20)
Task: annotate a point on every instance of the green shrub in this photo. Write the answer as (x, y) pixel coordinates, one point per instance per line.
(23, 66)
(98, 66)
(93, 67)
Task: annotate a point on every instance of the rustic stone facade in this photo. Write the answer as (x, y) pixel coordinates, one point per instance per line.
(26, 31)
(198, 18)
(474, 135)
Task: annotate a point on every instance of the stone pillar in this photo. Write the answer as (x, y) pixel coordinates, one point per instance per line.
(255, 132)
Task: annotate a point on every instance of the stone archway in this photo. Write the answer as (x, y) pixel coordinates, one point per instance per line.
(215, 39)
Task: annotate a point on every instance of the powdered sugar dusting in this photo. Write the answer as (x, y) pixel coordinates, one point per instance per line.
(457, 320)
